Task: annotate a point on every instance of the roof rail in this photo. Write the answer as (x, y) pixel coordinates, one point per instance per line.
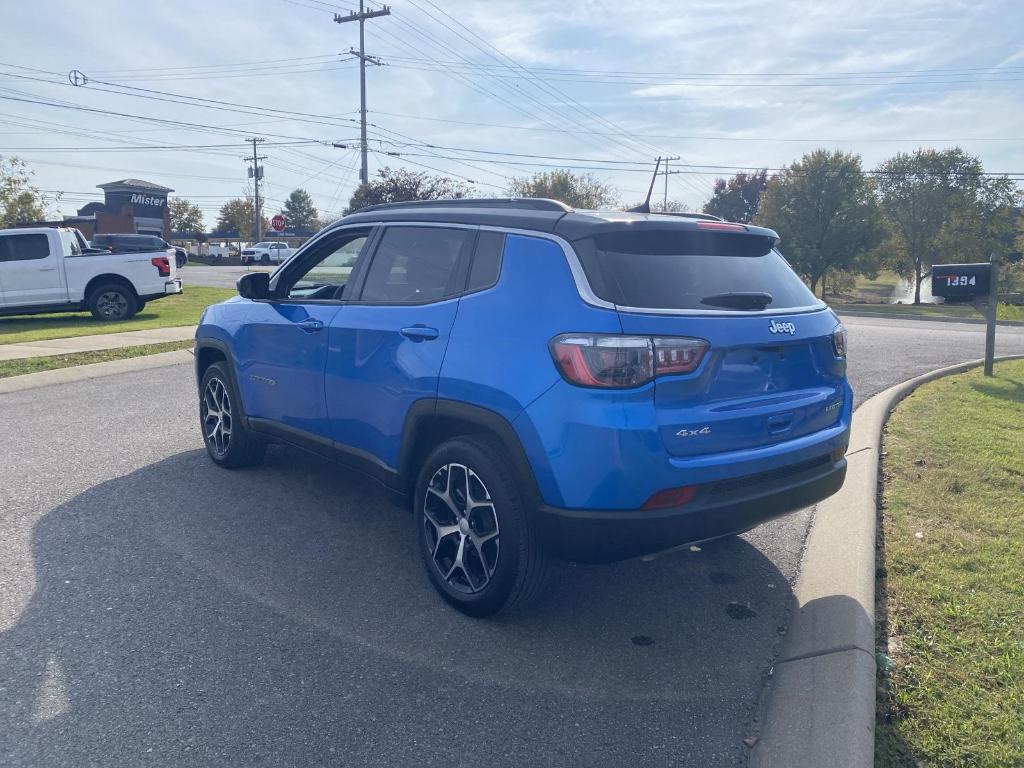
(522, 203)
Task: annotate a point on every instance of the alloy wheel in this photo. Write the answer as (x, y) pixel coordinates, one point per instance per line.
(216, 413)
(112, 305)
(461, 528)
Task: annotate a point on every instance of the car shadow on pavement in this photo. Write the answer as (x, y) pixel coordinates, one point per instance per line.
(186, 614)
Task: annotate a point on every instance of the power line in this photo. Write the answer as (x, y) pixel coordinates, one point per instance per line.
(530, 128)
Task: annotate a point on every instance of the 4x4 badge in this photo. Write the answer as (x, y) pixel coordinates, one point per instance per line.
(693, 432)
(776, 327)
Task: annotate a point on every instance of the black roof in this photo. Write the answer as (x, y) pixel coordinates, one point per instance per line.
(537, 214)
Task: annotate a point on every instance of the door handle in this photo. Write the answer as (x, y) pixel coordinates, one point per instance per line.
(419, 333)
(47, 269)
(311, 325)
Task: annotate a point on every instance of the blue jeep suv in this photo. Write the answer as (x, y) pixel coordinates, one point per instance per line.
(537, 381)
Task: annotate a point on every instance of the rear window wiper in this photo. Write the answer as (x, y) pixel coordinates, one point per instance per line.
(749, 300)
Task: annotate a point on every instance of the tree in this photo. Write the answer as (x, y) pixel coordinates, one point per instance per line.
(674, 206)
(19, 200)
(737, 199)
(185, 215)
(237, 214)
(396, 186)
(824, 209)
(300, 212)
(575, 189)
(939, 205)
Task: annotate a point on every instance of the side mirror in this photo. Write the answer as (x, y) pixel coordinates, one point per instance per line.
(255, 285)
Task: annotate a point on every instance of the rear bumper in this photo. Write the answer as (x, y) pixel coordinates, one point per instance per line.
(718, 509)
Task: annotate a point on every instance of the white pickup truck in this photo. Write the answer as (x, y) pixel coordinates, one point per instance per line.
(47, 269)
(269, 252)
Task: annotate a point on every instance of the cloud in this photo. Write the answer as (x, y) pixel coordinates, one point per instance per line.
(437, 71)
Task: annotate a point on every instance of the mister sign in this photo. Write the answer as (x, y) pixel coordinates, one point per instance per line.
(961, 281)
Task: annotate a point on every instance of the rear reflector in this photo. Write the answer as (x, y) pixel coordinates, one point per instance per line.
(671, 497)
(721, 226)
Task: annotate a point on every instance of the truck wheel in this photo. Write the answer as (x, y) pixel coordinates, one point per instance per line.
(112, 302)
(265, 258)
(227, 440)
(475, 533)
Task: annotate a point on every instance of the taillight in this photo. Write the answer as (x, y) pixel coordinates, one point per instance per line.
(162, 264)
(617, 362)
(839, 340)
(721, 226)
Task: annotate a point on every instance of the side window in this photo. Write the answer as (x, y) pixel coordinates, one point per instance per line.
(72, 244)
(326, 277)
(415, 265)
(486, 260)
(24, 247)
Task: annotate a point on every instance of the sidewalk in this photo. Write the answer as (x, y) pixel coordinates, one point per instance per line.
(93, 343)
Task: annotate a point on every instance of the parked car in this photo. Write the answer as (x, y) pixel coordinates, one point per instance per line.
(538, 382)
(116, 243)
(219, 251)
(267, 253)
(44, 269)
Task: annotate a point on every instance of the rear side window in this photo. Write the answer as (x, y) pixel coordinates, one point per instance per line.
(486, 260)
(675, 269)
(414, 265)
(24, 247)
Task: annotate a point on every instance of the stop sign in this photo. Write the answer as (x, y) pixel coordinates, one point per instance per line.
(277, 223)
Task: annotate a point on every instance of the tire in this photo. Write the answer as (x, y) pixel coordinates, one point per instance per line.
(112, 302)
(227, 440)
(487, 557)
(265, 258)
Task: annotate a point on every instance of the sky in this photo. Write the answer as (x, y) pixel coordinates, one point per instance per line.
(487, 90)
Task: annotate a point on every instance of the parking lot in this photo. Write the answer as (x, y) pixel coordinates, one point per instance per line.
(155, 609)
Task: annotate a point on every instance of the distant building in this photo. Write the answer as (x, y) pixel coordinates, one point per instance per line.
(131, 206)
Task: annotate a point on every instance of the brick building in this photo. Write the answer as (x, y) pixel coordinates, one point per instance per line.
(130, 206)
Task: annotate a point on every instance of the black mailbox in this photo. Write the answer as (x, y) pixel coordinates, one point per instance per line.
(961, 281)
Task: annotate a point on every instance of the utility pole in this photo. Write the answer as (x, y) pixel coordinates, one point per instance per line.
(256, 174)
(361, 17)
(664, 204)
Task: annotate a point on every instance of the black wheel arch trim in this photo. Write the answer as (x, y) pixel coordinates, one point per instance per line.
(422, 412)
(229, 362)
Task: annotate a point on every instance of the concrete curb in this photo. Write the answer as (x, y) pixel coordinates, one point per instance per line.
(819, 709)
(93, 371)
(72, 344)
(841, 310)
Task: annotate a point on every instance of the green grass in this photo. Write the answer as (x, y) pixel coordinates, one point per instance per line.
(878, 289)
(183, 309)
(1003, 311)
(952, 586)
(51, 362)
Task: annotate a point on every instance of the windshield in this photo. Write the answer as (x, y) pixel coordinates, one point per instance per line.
(678, 269)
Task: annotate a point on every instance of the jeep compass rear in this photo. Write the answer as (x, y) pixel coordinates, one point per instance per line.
(538, 382)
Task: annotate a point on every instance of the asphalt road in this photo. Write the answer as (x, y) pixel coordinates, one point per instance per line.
(157, 610)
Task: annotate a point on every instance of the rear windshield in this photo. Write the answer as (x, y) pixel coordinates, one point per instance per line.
(673, 269)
